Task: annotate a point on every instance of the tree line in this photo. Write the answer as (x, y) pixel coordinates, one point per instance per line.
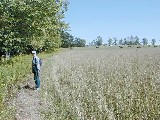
(131, 40)
(31, 24)
(69, 40)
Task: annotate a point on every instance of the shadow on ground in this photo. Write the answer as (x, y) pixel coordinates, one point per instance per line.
(27, 87)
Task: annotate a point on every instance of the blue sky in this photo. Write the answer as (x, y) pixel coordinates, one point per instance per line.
(114, 18)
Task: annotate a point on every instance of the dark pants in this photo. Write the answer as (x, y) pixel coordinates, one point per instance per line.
(36, 78)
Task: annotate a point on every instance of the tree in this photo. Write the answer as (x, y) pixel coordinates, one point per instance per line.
(78, 42)
(153, 41)
(93, 43)
(110, 41)
(99, 41)
(115, 41)
(131, 40)
(121, 41)
(67, 39)
(82, 43)
(144, 41)
(125, 41)
(31, 24)
(136, 42)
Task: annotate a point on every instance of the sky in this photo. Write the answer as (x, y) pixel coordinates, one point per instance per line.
(114, 18)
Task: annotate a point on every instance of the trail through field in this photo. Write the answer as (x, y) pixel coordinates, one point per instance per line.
(31, 104)
(27, 102)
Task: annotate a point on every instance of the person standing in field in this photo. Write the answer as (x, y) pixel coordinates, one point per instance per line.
(36, 70)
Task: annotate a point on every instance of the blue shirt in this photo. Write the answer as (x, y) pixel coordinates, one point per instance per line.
(35, 63)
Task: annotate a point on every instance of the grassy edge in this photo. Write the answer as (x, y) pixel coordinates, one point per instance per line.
(10, 88)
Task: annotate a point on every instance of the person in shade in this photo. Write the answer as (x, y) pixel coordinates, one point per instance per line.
(36, 70)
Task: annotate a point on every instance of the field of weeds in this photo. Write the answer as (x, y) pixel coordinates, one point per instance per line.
(102, 84)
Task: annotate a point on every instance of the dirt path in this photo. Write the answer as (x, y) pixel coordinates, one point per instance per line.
(27, 102)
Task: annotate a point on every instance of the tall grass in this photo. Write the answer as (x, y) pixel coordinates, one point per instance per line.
(12, 73)
(100, 84)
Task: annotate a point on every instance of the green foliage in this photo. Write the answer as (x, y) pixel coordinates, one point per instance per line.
(110, 41)
(131, 40)
(153, 41)
(67, 40)
(27, 24)
(99, 41)
(78, 42)
(136, 41)
(144, 41)
(13, 72)
(115, 41)
(120, 41)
